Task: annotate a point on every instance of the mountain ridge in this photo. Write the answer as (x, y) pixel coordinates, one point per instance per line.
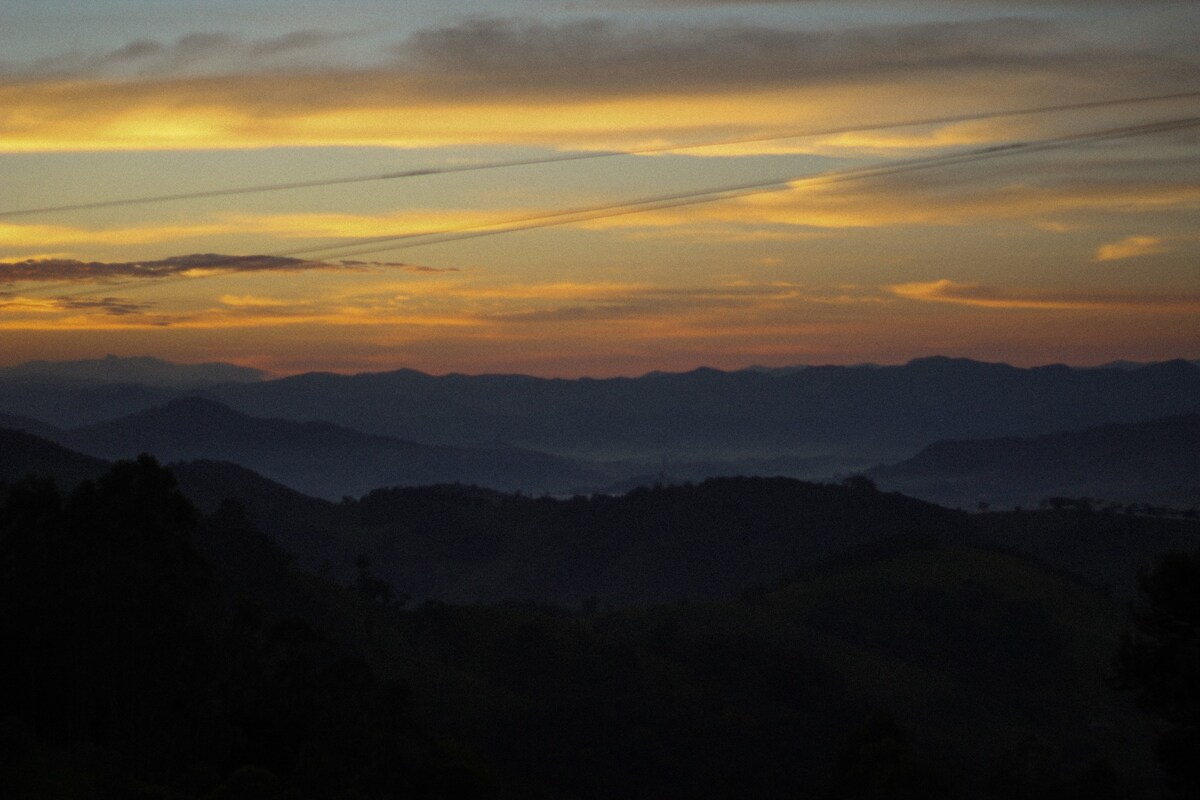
(146, 370)
(316, 457)
(850, 418)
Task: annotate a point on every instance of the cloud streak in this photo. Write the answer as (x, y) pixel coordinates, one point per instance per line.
(202, 53)
(1013, 298)
(1131, 247)
(112, 306)
(496, 57)
(195, 265)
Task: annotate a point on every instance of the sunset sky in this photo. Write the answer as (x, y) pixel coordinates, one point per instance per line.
(1077, 251)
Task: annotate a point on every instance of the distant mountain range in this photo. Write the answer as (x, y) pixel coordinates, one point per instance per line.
(876, 413)
(860, 415)
(139, 369)
(335, 435)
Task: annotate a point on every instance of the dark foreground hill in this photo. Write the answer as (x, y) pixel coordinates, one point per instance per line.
(651, 545)
(1122, 463)
(166, 654)
(657, 544)
(151, 653)
(23, 454)
(464, 544)
(931, 671)
(460, 543)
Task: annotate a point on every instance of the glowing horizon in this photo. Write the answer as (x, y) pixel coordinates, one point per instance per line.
(1082, 255)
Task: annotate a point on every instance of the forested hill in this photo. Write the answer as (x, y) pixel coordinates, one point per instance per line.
(651, 545)
(154, 653)
(459, 543)
(165, 653)
(464, 544)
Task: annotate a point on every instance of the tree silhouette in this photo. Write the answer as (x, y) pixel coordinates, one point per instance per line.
(120, 644)
(1160, 660)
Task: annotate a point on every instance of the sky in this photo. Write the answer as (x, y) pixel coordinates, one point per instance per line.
(599, 188)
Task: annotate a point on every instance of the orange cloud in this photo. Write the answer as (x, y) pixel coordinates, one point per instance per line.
(357, 109)
(579, 83)
(974, 294)
(516, 309)
(585, 85)
(42, 235)
(1131, 247)
(881, 203)
(252, 301)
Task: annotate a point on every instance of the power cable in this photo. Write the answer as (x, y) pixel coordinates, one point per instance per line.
(681, 199)
(662, 202)
(491, 165)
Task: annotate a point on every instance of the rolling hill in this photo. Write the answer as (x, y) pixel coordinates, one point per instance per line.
(740, 635)
(1122, 463)
(23, 454)
(318, 458)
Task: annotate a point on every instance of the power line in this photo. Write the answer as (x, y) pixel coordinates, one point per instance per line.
(663, 202)
(682, 199)
(491, 165)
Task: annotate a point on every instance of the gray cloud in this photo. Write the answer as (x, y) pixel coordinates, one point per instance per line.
(109, 305)
(115, 306)
(496, 56)
(70, 270)
(396, 265)
(195, 53)
(501, 58)
(588, 313)
(643, 303)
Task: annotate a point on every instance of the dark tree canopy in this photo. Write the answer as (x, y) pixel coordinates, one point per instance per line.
(1160, 660)
(129, 671)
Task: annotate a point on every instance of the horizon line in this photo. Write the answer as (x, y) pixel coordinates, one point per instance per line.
(269, 375)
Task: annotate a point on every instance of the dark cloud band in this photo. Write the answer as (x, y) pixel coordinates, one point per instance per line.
(70, 270)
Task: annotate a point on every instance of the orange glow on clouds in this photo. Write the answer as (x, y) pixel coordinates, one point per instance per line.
(973, 294)
(1131, 247)
(808, 205)
(824, 270)
(388, 109)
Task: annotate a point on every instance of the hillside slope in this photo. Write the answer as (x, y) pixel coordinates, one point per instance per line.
(1123, 463)
(318, 458)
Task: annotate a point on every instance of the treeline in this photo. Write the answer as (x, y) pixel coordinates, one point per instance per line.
(652, 545)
